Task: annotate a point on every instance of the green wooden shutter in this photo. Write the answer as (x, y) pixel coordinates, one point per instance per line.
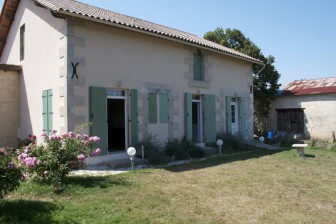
(22, 42)
(228, 115)
(50, 112)
(198, 67)
(242, 116)
(134, 117)
(210, 118)
(98, 116)
(152, 108)
(45, 111)
(188, 115)
(164, 108)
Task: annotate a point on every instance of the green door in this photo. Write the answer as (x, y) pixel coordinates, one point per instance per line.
(98, 116)
(134, 117)
(188, 116)
(228, 115)
(242, 116)
(210, 118)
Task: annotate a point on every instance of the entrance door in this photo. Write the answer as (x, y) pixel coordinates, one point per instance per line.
(116, 120)
(234, 118)
(197, 124)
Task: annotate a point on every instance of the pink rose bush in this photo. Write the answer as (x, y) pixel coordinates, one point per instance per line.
(10, 173)
(53, 160)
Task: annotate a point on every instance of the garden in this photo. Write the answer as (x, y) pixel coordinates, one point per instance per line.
(241, 186)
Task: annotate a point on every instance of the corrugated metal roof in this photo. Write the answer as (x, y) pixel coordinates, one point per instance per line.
(75, 8)
(310, 87)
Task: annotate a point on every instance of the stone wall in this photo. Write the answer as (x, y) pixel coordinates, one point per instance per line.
(319, 113)
(9, 104)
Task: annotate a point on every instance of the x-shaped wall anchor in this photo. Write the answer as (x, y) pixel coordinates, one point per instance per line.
(74, 71)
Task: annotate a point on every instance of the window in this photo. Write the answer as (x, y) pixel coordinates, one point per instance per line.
(47, 111)
(158, 108)
(198, 66)
(22, 42)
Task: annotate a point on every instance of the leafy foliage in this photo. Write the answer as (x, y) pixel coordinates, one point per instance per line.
(183, 149)
(266, 82)
(153, 152)
(230, 142)
(10, 173)
(53, 160)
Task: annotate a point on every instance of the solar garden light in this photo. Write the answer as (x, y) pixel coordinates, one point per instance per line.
(219, 142)
(131, 152)
(262, 139)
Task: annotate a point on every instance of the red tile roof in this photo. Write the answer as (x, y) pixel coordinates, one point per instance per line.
(310, 87)
(78, 9)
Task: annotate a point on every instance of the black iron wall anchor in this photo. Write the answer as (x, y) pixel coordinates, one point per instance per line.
(74, 70)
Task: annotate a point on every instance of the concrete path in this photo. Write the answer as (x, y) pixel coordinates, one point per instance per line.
(266, 146)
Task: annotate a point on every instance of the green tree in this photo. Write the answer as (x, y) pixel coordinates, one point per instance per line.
(265, 83)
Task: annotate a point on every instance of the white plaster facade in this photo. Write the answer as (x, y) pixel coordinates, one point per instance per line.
(106, 54)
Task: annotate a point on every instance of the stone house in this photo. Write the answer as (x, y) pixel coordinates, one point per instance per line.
(130, 77)
(307, 107)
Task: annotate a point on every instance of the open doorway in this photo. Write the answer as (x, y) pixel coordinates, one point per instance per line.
(197, 125)
(116, 122)
(234, 117)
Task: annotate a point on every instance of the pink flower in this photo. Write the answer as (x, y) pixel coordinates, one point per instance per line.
(11, 166)
(94, 139)
(54, 131)
(3, 151)
(38, 162)
(71, 135)
(27, 150)
(22, 157)
(85, 136)
(98, 151)
(94, 154)
(30, 161)
(85, 143)
(44, 134)
(78, 136)
(81, 157)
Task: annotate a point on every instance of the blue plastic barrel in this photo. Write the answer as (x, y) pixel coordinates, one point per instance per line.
(271, 135)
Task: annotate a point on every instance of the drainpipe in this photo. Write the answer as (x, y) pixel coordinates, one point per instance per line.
(264, 65)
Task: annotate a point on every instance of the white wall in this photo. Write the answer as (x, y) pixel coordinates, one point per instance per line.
(41, 65)
(142, 62)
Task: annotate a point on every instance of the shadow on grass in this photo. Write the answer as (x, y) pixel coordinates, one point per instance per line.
(27, 211)
(252, 153)
(309, 156)
(102, 182)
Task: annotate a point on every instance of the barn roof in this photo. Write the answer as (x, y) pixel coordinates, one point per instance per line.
(310, 87)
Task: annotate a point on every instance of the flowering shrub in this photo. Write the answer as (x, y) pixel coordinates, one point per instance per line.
(31, 139)
(53, 160)
(10, 173)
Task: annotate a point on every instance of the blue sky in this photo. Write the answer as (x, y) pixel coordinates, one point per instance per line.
(300, 34)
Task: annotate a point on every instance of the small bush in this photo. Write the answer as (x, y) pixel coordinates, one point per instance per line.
(230, 142)
(53, 160)
(183, 149)
(152, 150)
(10, 173)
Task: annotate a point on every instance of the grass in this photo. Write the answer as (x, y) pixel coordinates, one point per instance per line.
(248, 187)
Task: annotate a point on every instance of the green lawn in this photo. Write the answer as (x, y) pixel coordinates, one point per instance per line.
(250, 187)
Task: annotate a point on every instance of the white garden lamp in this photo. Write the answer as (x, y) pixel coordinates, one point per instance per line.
(219, 142)
(131, 152)
(262, 139)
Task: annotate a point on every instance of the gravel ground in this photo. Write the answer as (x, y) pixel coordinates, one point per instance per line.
(101, 170)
